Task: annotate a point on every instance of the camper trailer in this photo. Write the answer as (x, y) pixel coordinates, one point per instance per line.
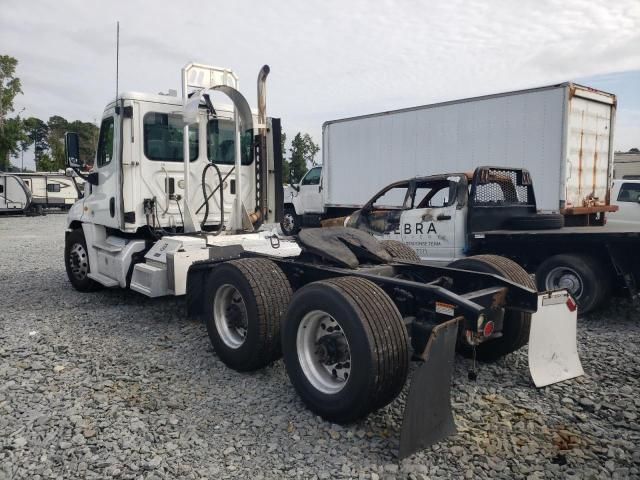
(51, 189)
(15, 197)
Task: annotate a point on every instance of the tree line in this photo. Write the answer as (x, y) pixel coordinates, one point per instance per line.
(18, 134)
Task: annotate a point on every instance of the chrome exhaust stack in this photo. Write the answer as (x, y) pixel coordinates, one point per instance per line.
(261, 213)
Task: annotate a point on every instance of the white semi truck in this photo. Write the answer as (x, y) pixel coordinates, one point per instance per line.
(176, 204)
(562, 134)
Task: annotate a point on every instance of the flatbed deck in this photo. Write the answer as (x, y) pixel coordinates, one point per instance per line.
(616, 230)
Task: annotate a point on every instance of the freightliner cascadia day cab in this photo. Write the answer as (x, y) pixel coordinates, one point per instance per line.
(178, 202)
(561, 133)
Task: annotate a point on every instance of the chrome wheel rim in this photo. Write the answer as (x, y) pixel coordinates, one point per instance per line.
(288, 223)
(323, 352)
(567, 278)
(78, 261)
(230, 316)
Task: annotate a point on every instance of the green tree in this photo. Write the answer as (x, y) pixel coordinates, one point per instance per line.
(303, 152)
(57, 127)
(38, 133)
(46, 164)
(11, 131)
(88, 134)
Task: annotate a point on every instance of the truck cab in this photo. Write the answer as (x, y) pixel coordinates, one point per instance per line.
(626, 195)
(137, 177)
(426, 213)
(142, 198)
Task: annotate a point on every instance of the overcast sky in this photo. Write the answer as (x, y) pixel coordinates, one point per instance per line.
(329, 59)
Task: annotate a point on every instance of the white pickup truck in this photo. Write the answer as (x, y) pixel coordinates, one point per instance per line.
(451, 216)
(626, 195)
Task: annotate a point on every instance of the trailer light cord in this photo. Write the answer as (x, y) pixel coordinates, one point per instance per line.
(206, 199)
(177, 199)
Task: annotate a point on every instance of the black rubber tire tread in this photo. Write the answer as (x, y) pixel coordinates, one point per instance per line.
(272, 293)
(540, 221)
(87, 284)
(513, 338)
(389, 333)
(388, 344)
(400, 251)
(599, 277)
(509, 269)
(296, 217)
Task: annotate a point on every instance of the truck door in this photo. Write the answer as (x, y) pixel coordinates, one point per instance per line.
(104, 203)
(310, 194)
(429, 226)
(628, 202)
(381, 215)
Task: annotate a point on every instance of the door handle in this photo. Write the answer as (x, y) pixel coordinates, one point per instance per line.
(442, 216)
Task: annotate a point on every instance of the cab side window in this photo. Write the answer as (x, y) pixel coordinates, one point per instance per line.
(105, 143)
(313, 177)
(629, 192)
(433, 195)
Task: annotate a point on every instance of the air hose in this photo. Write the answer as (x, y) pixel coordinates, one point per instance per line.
(206, 200)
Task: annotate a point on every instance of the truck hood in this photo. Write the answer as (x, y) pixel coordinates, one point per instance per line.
(289, 193)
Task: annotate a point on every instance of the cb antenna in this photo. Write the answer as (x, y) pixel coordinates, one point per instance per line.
(117, 55)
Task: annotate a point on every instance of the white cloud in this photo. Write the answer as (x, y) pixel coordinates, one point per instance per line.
(329, 59)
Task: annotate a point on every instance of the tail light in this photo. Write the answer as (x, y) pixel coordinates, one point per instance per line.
(488, 328)
(571, 304)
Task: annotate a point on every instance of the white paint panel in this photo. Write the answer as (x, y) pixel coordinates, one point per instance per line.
(523, 129)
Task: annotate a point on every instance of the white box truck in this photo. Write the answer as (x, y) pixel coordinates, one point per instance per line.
(561, 133)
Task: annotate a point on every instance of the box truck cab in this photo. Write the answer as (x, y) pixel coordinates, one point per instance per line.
(625, 194)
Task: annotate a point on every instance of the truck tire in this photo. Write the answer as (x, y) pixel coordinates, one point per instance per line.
(515, 329)
(400, 251)
(246, 303)
(290, 223)
(76, 262)
(546, 221)
(582, 275)
(332, 327)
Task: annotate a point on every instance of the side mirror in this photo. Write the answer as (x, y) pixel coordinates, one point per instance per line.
(68, 172)
(72, 150)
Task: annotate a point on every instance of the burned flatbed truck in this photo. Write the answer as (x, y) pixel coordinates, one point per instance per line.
(179, 197)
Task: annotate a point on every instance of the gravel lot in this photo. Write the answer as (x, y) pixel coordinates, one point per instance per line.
(111, 384)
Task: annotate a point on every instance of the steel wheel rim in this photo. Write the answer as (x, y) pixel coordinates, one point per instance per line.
(567, 278)
(288, 223)
(230, 316)
(318, 333)
(78, 261)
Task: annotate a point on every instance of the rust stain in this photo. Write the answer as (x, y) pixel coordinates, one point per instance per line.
(580, 158)
(595, 162)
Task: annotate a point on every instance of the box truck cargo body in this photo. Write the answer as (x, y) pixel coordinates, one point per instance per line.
(562, 134)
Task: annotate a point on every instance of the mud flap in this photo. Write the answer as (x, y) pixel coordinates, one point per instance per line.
(553, 343)
(428, 417)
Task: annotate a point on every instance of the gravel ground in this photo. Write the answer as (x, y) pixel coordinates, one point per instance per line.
(111, 384)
